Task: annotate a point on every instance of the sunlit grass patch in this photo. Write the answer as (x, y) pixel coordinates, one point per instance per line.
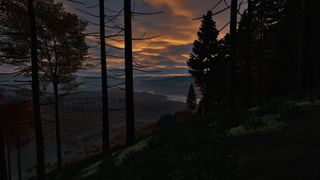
(120, 156)
(263, 125)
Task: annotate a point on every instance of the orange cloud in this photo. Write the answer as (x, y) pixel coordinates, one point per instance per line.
(175, 27)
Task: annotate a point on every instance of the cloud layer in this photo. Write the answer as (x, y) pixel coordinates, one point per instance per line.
(175, 27)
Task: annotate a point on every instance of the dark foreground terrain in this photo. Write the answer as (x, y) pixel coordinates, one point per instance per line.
(291, 154)
(279, 140)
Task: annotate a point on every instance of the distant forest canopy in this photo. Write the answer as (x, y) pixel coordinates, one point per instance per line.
(276, 53)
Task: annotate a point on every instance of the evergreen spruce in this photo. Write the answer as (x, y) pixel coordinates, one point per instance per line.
(207, 63)
(191, 99)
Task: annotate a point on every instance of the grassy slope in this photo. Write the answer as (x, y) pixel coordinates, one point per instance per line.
(279, 140)
(195, 150)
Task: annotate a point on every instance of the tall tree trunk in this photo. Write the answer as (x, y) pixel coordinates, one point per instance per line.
(3, 165)
(19, 157)
(57, 118)
(248, 89)
(260, 72)
(304, 72)
(9, 161)
(261, 44)
(35, 94)
(129, 73)
(104, 81)
(233, 43)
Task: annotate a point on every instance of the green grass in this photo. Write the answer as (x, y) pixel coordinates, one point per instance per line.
(72, 169)
(272, 115)
(264, 125)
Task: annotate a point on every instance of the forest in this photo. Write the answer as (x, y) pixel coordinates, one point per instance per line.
(141, 89)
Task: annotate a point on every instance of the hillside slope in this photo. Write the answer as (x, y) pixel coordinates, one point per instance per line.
(292, 154)
(276, 141)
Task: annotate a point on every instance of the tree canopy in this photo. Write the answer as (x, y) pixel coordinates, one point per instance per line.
(61, 41)
(208, 62)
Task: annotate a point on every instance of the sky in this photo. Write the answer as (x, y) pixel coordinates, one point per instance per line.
(176, 30)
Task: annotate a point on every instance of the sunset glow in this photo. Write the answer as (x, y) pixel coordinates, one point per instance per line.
(175, 30)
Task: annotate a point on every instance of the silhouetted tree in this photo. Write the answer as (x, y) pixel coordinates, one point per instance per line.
(62, 50)
(19, 157)
(233, 58)
(129, 73)
(18, 127)
(248, 29)
(36, 94)
(105, 105)
(312, 38)
(62, 53)
(307, 61)
(9, 159)
(258, 65)
(191, 98)
(3, 166)
(276, 51)
(208, 63)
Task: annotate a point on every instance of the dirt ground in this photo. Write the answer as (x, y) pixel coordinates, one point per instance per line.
(293, 154)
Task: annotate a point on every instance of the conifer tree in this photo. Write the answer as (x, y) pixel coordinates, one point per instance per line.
(191, 99)
(207, 63)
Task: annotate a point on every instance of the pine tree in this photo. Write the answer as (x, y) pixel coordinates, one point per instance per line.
(207, 63)
(191, 99)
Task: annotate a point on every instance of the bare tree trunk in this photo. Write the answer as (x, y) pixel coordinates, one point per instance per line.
(104, 81)
(57, 118)
(129, 73)
(302, 48)
(233, 43)
(3, 165)
(9, 161)
(261, 51)
(260, 73)
(248, 89)
(19, 157)
(35, 94)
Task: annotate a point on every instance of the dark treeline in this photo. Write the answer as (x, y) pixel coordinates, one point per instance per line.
(275, 53)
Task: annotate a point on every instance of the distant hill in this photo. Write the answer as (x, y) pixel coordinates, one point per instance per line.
(177, 85)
